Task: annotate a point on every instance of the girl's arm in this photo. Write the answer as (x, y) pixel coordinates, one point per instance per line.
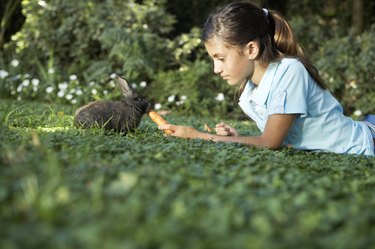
(277, 128)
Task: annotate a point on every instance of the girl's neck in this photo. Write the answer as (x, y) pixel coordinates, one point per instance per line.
(259, 71)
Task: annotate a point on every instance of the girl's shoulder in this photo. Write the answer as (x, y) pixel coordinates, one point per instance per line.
(291, 63)
(289, 66)
(289, 72)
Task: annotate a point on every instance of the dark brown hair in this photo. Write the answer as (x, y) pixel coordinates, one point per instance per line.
(238, 23)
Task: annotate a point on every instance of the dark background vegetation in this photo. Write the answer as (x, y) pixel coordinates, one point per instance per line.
(157, 42)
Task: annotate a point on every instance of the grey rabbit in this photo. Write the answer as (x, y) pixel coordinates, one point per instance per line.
(121, 116)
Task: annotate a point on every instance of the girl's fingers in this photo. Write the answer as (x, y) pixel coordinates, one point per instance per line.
(223, 131)
(220, 128)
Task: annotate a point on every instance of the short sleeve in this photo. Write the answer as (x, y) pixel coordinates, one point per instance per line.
(290, 90)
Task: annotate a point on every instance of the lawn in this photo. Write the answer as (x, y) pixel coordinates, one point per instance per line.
(65, 187)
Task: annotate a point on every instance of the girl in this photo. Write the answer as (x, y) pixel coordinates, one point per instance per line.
(255, 49)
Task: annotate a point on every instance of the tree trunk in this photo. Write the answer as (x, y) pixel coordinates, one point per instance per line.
(11, 19)
(357, 16)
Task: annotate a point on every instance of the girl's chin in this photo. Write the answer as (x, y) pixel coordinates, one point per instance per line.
(231, 82)
(235, 82)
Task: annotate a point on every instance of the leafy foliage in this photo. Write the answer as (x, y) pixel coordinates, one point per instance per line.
(347, 63)
(89, 39)
(63, 187)
(68, 52)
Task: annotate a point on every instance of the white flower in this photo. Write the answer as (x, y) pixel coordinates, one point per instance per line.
(112, 76)
(63, 86)
(94, 91)
(105, 92)
(74, 101)
(51, 70)
(35, 89)
(112, 84)
(143, 84)
(43, 4)
(91, 83)
(26, 82)
(157, 106)
(353, 84)
(134, 85)
(60, 94)
(14, 63)
(35, 82)
(69, 96)
(183, 97)
(19, 98)
(3, 74)
(26, 75)
(358, 113)
(72, 77)
(171, 98)
(79, 92)
(19, 88)
(220, 97)
(49, 89)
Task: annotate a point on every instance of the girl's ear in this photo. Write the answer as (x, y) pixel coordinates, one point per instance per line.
(252, 50)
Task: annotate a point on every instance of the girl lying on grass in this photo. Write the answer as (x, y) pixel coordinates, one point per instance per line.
(255, 49)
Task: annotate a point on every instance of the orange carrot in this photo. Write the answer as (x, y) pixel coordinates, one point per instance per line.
(159, 120)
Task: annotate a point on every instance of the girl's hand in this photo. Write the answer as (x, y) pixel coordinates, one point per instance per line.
(181, 131)
(223, 129)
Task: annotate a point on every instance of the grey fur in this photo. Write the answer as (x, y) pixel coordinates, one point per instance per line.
(121, 116)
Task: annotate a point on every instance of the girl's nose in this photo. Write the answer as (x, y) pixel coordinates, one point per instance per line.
(217, 68)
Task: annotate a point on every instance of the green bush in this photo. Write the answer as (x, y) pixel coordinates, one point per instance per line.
(190, 85)
(69, 51)
(347, 65)
(193, 89)
(87, 41)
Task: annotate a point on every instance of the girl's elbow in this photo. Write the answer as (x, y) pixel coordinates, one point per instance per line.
(272, 145)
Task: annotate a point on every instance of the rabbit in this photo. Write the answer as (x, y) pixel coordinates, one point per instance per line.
(121, 116)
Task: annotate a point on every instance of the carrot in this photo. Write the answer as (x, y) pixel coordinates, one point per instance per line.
(159, 120)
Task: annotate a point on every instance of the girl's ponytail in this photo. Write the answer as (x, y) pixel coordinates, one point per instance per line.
(285, 40)
(287, 44)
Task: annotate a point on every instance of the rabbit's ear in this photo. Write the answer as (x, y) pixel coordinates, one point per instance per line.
(126, 89)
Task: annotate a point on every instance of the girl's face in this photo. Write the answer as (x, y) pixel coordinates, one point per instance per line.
(231, 63)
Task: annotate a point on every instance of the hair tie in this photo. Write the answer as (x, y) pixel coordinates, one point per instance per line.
(265, 11)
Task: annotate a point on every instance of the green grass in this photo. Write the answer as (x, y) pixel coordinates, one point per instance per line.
(65, 187)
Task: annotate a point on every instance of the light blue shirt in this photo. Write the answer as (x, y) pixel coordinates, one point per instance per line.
(288, 88)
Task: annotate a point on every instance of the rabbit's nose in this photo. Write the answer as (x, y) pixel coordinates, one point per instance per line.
(148, 107)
